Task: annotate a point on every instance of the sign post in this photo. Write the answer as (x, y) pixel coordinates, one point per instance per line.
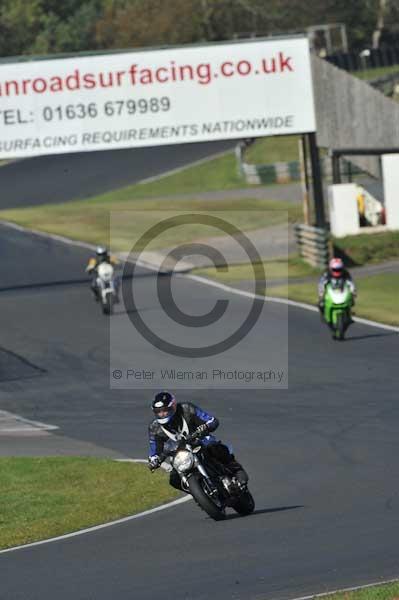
(317, 182)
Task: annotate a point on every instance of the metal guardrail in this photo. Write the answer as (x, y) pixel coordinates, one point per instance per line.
(313, 244)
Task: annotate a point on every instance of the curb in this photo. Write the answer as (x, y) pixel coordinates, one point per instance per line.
(11, 423)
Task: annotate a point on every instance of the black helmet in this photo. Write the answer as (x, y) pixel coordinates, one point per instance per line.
(101, 253)
(164, 407)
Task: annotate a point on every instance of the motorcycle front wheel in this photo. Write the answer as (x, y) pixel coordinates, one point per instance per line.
(340, 327)
(245, 504)
(215, 511)
(108, 305)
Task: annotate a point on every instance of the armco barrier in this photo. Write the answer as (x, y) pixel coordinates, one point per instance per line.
(286, 172)
(313, 244)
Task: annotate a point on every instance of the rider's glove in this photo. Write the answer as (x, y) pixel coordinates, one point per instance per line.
(201, 431)
(154, 462)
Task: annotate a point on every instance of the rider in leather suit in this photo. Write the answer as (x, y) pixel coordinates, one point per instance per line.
(102, 255)
(336, 270)
(169, 419)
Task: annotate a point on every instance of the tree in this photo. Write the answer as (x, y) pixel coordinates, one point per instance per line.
(147, 22)
(20, 24)
(46, 26)
(382, 11)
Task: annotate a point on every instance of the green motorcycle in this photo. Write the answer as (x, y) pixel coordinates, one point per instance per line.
(338, 302)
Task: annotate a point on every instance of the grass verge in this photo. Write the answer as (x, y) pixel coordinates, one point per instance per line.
(213, 175)
(377, 296)
(368, 248)
(88, 220)
(273, 149)
(46, 497)
(274, 269)
(375, 73)
(217, 174)
(387, 591)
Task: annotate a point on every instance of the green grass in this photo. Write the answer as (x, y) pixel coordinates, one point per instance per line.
(376, 73)
(89, 220)
(46, 497)
(213, 175)
(388, 591)
(273, 149)
(369, 248)
(377, 296)
(274, 269)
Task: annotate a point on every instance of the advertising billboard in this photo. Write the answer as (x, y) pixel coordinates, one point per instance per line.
(147, 98)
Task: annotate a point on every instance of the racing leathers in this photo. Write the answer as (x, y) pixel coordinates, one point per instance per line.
(191, 417)
(326, 278)
(91, 268)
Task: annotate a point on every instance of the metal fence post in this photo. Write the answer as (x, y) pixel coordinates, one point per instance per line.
(317, 181)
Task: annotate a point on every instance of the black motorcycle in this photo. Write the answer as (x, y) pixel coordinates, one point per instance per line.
(210, 483)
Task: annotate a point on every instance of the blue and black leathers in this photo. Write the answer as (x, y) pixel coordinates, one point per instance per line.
(191, 417)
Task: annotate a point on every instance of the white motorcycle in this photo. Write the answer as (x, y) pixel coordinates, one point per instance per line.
(106, 287)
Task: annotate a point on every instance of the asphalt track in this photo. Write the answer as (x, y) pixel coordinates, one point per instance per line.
(64, 177)
(322, 455)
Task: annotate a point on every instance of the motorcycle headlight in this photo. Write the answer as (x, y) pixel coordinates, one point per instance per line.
(183, 461)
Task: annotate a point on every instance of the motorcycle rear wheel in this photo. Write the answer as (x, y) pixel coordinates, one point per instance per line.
(204, 501)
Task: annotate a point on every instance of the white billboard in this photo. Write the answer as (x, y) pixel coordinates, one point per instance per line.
(147, 98)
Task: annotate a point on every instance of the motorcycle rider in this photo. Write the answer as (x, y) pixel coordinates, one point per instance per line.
(336, 270)
(169, 419)
(102, 255)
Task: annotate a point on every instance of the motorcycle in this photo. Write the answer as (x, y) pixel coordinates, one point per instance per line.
(209, 483)
(338, 302)
(106, 287)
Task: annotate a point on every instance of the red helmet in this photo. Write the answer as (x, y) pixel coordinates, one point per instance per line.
(336, 267)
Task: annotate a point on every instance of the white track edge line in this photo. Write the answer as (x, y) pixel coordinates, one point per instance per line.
(286, 301)
(195, 163)
(99, 527)
(51, 236)
(197, 278)
(350, 589)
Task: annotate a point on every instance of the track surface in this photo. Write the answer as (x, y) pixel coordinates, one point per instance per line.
(322, 455)
(59, 178)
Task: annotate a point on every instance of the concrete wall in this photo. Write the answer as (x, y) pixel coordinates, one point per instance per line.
(390, 169)
(351, 114)
(344, 215)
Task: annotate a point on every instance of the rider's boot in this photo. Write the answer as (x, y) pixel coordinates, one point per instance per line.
(321, 310)
(238, 472)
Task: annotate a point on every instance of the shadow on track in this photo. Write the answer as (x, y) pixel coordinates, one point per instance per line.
(130, 311)
(370, 335)
(66, 282)
(264, 511)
